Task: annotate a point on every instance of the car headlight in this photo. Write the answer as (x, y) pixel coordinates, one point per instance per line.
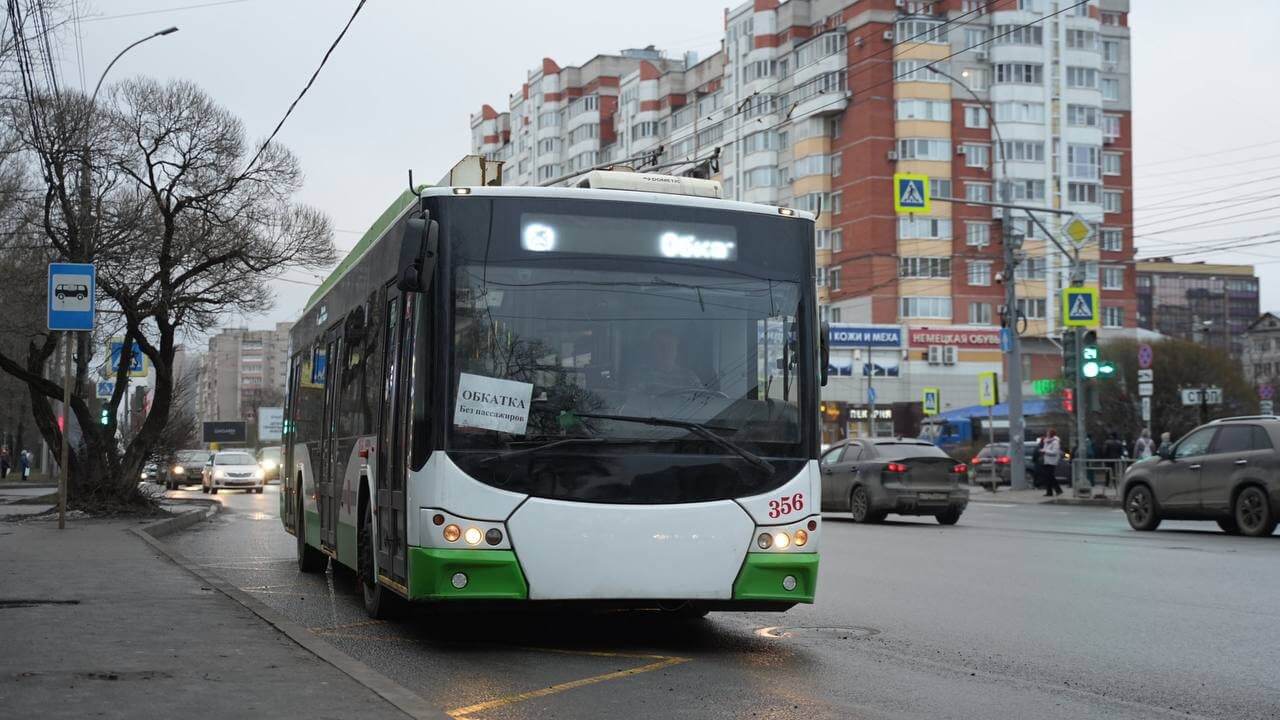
(144, 476)
(259, 474)
(268, 464)
(179, 470)
(218, 474)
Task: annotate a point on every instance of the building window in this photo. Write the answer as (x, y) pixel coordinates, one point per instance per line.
(978, 79)
(1111, 18)
(836, 198)
(822, 277)
(644, 129)
(919, 30)
(938, 308)
(1110, 128)
(1112, 201)
(1027, 112)
(837, 240)
(833, 278)
(837, 164)
(976, 156)
(924, 267)
(940, 187)
(1112, 277)
(916, 71)
(977, 234)
(1022, 151)
(1031, 308)
(975, 37)
(1082, 116)
(811, 165)
(1026, 189)
(975, 116)
(1018, 35)
(1032, 268)
(547, 172)
(820, 47)
(822, 239)
(814, 202)
(1084, 162)
(1112, 239)
(924, 149)
(1110, 89)
(980, 273)
(936, 110)
(548, 145)
(980, 192)
(1110, 51)
(911, 227)
(763, 140)
(1081, 77)
(1110, 163)
(762, 177)
(1112, 317)
(980, 313)
(1022, 73)
(1082, 39)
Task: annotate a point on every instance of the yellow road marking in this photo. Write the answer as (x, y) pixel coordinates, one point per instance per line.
(572, 684)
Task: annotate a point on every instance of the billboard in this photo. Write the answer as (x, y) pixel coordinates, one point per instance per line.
(230, 431)
(270, 424)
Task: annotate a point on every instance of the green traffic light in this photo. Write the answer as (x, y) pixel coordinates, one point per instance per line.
(1090, 369)
(1106, 369)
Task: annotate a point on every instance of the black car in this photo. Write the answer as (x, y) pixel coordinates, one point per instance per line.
(993, 462)
(872, 477)
(1227, 471)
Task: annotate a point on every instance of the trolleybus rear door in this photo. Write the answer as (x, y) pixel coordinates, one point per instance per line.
(393, 428)
(327, 484)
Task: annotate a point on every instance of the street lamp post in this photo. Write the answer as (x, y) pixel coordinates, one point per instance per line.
(1012, 242)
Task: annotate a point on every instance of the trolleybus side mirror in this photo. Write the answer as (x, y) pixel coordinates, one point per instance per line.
(418, 246)
(824, 343)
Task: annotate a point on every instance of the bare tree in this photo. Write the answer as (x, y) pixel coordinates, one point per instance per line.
(156, 188)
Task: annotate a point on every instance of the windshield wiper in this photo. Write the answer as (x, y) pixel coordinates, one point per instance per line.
(696, 428)
(559, 443)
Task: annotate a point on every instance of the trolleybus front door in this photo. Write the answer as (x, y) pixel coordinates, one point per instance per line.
(393, 429)
(327, 485)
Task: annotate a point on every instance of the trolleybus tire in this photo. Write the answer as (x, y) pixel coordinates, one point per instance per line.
(380, 603)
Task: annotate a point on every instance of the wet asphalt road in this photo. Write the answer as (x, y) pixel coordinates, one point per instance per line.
(1020, 611)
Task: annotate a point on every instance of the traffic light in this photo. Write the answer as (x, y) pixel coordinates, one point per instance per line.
(1069, 366)
(1091, 363)
(104, 416)
(1068, 400)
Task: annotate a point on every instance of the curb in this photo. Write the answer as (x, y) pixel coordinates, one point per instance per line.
(402, 698)
(1088, 502)
(29, 486)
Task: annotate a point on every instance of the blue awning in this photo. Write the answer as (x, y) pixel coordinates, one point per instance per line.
(1029, 407)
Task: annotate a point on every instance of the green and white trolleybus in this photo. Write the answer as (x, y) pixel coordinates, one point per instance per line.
(604, 394)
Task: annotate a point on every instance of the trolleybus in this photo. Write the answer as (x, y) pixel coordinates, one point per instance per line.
(563, 394)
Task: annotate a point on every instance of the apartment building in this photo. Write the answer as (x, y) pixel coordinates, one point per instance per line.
(1261, 358)
(242, 370)
(815, 104)
(1212, 304)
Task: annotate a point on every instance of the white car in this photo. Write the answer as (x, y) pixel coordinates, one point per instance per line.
(232, 469)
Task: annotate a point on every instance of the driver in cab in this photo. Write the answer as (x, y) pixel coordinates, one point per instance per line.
(666, 373)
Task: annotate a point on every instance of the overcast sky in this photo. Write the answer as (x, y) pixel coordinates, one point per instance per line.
(398, 92)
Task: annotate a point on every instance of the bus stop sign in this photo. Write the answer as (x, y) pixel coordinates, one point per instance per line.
(71, 296)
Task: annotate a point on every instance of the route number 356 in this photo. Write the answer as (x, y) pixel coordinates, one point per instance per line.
(786, 505)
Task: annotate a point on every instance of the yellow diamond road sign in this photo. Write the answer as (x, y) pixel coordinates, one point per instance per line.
(1078, 230)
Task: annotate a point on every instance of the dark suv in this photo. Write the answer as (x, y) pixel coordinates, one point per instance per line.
(1227, 470)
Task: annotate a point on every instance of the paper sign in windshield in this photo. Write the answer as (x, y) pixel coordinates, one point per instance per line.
(493, 404)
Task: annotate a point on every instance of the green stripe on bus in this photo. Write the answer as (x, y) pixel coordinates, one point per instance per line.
(763, 574)
(491, 575)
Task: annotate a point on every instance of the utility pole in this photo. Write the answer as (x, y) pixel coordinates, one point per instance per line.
(1080, 456)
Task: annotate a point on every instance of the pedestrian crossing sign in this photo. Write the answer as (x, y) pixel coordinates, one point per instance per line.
(910, 193)
(988, 389)
(1080, 307)
(932, 401)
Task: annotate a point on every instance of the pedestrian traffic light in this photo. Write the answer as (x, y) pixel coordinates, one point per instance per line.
(104, 416)
(1089, 365)
(1068, 400)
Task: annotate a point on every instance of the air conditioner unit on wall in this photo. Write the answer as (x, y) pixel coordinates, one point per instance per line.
(888, 35)
(935, 355)
(949, 355)
(959, 149)
(891, 156)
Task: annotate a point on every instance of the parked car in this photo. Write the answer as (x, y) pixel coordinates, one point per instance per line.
(186, 469)
(872, 477)
(1227, 470)
(992, 462)
(151, 472)
(232, 469)
(269, 459)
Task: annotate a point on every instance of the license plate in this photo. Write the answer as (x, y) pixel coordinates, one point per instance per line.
(933, 496)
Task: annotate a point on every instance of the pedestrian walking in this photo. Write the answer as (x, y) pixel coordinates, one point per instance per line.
(1037, 464)
(5, 462)
(1113, 447)
(1144, 447)
(24, 458)
(1166, 442)
(1051, 454)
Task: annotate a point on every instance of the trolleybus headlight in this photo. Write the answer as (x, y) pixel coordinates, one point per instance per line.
(472, 536)
(781, 541)
(493, 537)
(765, 541)
(459, 580)
(452, 532)
(802, 537)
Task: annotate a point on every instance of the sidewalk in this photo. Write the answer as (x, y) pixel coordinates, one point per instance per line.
(97, 623)
(1036, 496)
